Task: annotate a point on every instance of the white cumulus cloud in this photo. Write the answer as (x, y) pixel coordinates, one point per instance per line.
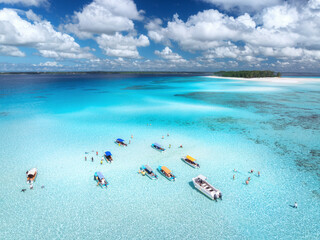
(167, 54)
(104, 17)
(36, 33)
(10, 51)
(122, 46)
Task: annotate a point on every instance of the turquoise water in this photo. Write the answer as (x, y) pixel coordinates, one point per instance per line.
(49, 122)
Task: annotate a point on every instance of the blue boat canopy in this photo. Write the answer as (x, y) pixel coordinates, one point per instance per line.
(100, 175)
(108, 153)
(157, 145)
(120, 140)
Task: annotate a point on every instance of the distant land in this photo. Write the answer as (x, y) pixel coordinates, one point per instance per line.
(241, 74)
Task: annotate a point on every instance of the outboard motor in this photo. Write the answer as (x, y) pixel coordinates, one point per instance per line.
(215, 197)
(220, 196)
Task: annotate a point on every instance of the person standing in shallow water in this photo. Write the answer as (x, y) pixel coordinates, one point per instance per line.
(92, 159)
(295, 205)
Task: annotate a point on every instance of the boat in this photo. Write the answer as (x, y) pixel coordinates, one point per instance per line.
(207, 189)
(166, 172)
(120, 142)
(108, 156)
(31, 175)
(149, 172)
(158, 147)
(190, 161)
(100, 179)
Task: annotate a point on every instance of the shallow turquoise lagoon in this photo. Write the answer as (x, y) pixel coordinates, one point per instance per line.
(50, 121)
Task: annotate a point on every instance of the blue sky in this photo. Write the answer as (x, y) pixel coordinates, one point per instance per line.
(142, 35)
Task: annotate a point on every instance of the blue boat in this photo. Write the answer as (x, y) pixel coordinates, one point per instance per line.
(149, 172)
(100, 179)
(108, 156)
(166, 172)
(158, 147)
(120, 142)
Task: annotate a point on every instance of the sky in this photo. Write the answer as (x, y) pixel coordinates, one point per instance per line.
(159, 35)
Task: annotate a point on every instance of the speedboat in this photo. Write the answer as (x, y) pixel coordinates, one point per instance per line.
(158, 147)
(149, 172)
(100, 179)
(108, 156)
(166, 172)
(207, 189)
(190, 161)
(31, 175)
(120, 142)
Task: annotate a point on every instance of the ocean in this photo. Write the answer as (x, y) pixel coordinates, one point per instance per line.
(52, 122)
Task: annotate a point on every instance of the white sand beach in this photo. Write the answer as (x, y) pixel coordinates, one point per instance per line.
(274, 79)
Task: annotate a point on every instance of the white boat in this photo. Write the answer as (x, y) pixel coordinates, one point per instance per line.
(207, 189)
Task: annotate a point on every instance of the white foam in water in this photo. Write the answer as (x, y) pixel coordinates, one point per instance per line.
(53, 135)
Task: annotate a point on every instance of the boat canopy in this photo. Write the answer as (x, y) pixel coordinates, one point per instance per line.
(165, 169)
(190, 158)
(157, 145)
(32, 171)
(108, 153)
(100, 175)
(120, 140)
(148, 168)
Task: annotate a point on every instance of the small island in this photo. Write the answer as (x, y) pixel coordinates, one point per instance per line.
(248, 74)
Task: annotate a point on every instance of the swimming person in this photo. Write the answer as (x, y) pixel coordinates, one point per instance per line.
(101, 162)
(251, 171)
(97, 153)
(167, 134)
(92, 159)
(129, 141)
(23, 190)
(85, 158)
(180, 146)
(162, 137)
(31, 186)
(247, 182)
(249, 178)
(131, 136)
(234, 176)
(258, 174)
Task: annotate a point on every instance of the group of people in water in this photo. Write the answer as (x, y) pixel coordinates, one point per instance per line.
(248, 179)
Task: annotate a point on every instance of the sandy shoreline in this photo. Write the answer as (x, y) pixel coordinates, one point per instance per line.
(273, 79)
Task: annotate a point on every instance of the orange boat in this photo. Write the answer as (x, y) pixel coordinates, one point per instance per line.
(31, 175)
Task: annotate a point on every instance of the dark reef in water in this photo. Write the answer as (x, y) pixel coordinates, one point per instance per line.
(289, 110)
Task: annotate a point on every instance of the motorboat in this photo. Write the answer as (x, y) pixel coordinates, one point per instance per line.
(121, 142)
(190, 161)
(158, 147)
(207, 189)
(100, 179)
(149, 172)
(108, 156)
(31, 175)
(166, 172)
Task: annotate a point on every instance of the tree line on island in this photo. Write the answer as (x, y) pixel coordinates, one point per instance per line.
(248, 74)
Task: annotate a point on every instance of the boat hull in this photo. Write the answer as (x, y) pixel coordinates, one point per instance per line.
(191, 165)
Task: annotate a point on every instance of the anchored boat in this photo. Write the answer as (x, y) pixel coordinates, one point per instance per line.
(108, 156)
(31, 175)
(100, 179)
(166, 172)
(207, 189)
(158, 147)
(121, 142)
(149, 172)
(190, 161)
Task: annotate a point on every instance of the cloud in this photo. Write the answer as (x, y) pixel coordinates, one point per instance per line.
(167, 54)
(48, 64)
(244, 5)
(104, 17)
(36, 33)
(283, 31)
(29, 3)
(122, 46)
(10, 51)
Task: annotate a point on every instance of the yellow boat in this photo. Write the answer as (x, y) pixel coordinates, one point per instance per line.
(190, 161)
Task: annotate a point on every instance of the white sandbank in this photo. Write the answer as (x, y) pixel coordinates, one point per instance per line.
(274, 79)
